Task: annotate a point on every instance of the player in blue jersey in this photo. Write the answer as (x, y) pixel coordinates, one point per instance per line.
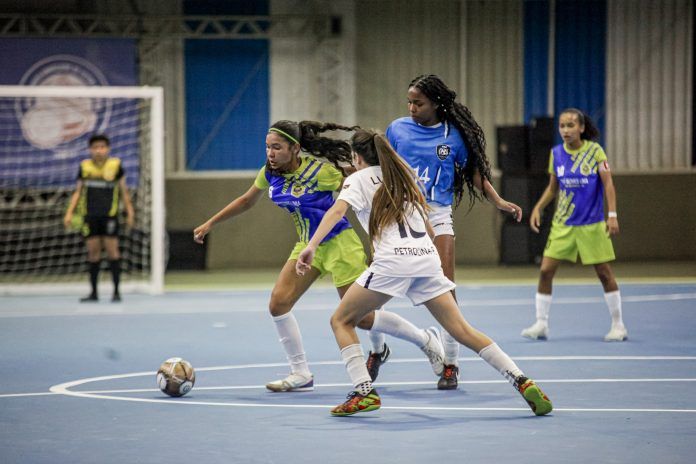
(446, 147)
(304, 187)
(581, 177)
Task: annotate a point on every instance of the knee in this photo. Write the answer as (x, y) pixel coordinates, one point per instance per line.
(334, 321)
(279, 305)
(546, 274)
(339, 320)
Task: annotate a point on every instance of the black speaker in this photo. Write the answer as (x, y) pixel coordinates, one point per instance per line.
(524, 190)
(520, 245)
(515, 244)
(513, 148)
(184, 253)
(542, 132)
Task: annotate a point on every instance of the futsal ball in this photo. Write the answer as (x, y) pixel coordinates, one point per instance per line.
(176, 377)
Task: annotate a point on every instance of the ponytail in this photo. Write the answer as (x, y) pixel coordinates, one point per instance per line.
(305, 133)
(399, 191)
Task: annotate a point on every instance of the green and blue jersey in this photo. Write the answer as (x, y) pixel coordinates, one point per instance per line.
(306, 193)
(580, 188)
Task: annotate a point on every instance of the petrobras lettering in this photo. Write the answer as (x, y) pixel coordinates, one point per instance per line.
(417, 251)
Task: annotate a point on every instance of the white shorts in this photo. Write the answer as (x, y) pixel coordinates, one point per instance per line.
(417, 289)
(441, 219)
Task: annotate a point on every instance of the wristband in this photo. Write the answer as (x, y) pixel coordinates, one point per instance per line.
(612, 214)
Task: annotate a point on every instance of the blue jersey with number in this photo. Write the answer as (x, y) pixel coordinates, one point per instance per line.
(580, 188)
(433, 152)
(306, 193)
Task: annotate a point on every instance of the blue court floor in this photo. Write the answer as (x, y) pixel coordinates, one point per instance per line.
(78, 383)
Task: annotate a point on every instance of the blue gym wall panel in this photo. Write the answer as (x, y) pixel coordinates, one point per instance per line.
(536, 58)
(227, 93)
(227, 103)
(580, 58)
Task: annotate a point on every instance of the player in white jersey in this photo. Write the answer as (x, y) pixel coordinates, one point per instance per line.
(390, 206)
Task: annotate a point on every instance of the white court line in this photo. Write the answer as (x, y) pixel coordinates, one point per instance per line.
(504, 303)
(329, 406)
(377, 384)
(64, 388)
(335, 363)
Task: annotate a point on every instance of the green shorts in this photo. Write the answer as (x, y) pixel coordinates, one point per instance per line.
(591, 242)
(343, 256)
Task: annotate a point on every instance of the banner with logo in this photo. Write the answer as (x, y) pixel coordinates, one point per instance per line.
(43, 140)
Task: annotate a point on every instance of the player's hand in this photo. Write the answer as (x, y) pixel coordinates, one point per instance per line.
(304, 261)
(612, 226)
(535, 220)
(511, 208)
(130, 220)
(200, 232)
(67, 220)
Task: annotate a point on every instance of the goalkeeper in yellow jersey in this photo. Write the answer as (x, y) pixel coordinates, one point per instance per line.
(580, 176)
(101, 182)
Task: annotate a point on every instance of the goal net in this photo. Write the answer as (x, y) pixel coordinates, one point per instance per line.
(44, 132)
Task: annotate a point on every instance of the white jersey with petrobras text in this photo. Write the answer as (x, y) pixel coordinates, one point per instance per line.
(402, 250)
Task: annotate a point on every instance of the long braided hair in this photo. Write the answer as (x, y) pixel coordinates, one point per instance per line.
(399, 190)
(461, 118)
(591, 131)
(306, 134)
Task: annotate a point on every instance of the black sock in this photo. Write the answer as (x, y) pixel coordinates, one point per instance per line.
(94, 275)
(115, 266)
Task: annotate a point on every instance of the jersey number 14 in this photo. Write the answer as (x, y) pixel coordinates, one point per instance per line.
(423, 176)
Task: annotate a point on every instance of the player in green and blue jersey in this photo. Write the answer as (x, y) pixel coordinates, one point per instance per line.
(580, 175)
(304, 187)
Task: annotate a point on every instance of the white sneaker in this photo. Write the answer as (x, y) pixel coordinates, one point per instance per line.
(292, 383)
(617, 333)
(537, 331)
(434, 351)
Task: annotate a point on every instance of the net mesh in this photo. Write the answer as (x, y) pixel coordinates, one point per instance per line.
(42, 142)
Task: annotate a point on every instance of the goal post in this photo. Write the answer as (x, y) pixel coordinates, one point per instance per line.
(44, 133)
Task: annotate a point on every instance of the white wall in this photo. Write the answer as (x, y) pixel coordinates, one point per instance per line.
(649, 84)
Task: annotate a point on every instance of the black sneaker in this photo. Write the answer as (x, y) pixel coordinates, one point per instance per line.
(448, 379)
(116, 298)
(375, 360)
(89, 298)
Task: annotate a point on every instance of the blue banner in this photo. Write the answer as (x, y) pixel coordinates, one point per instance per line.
(43, 140)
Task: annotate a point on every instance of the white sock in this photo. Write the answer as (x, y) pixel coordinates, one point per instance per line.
(543, 307)
(291, 339)
(377, 339)
(451, 348)
(613, 300)
(501, 362)
(354, 359)
(392, 324)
